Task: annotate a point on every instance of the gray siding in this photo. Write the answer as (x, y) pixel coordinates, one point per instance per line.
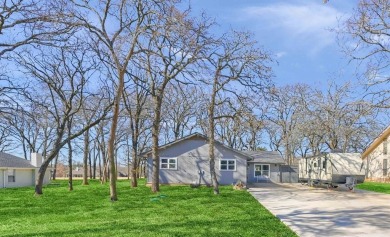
(274, 173)
(289, 174)
(193, 164)
(1, 179)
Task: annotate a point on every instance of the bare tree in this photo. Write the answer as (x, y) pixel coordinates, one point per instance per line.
(136, 103)
(32, 22)
(285, 114)
(65, 74)
(235, 60)
(5, 142)
(175, 43)
(179, 112)
(116, 45)
(341, 115)
(365, 39)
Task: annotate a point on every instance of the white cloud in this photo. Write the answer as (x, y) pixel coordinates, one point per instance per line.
(280, 54)
(301, 24)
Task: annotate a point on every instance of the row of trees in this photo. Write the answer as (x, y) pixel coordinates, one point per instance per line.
(114, 78)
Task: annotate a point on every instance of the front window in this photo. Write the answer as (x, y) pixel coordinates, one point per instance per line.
(261, 170)
(168, 163)
(227, 165)
(11, 176)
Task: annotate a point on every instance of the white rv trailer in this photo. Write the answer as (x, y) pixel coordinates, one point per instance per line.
(332, 169)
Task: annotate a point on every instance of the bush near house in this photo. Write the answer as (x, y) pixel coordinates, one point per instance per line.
(175, 211)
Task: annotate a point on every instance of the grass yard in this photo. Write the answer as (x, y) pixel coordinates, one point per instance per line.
(376, 187)
(175, 211)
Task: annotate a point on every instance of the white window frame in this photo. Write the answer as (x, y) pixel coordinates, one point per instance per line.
(261, 170)
(168, 163)
(11, 173)
(227, 165)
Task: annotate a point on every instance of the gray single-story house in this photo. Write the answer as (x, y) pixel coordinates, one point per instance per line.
(19, 172)
(186, 161)
(264, 166)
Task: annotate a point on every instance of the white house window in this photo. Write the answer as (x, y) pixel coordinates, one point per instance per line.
(11, 176)
(227, 165)
(168, 163)
(261, 170)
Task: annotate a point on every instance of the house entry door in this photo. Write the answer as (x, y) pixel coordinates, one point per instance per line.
(261, 172)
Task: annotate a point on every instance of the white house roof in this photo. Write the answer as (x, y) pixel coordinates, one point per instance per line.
(11, 161)
(270, 157)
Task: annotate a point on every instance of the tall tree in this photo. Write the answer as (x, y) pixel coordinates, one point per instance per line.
(32, 22)
(284, 114)
(116, 45)
(175, 43)
(365, 39)
(236, 61)
(180, 110)
(136, 104)
(64, 73)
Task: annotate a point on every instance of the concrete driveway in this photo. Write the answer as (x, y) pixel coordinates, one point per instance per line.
(320, 212)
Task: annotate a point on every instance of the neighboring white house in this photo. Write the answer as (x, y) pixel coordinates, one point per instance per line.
(377, 157)
(19, 172)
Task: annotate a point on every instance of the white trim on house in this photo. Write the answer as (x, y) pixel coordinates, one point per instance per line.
(228, 165)
(168, 163)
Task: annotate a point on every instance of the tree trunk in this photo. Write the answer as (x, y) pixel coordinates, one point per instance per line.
(70, 183)
(100, 168)
(211, 137)
(155, 134)
(134, 168)
(111, 141)
(41, 175)
(90, 165)
(213, 174)
(55, 168)
(103, 171)
(95, 154)
(85, 159)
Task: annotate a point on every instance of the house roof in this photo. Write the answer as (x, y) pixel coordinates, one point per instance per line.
(270, 157)
(11, 161)
(190, 137)
(377, 141)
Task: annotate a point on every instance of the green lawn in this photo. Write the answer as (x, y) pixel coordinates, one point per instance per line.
(376, 187)
(175, 211)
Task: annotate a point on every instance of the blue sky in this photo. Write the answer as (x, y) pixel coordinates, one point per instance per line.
(297, 32)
